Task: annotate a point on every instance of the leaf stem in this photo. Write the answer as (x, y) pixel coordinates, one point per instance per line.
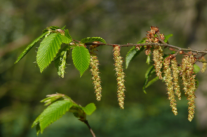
(86, 122)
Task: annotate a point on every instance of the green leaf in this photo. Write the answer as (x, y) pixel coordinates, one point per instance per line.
(92, 39)
(52, 113)
(60, 63)
(196, 68)
(51, 28)
(148, 59)
(167, 37)
(133, 52)
(29, 47)
(148, 74)
(63, 27)
(89, 109)
(81, 58)
(66, 38)
(59, 104)
(48, 49)
(152, 81)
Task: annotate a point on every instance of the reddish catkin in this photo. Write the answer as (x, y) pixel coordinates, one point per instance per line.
(175, 72)
(120, 75)
(168, 80)
(95, 76)
(157, 58)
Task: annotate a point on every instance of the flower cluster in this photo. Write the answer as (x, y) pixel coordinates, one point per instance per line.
(169, 83)
(175, 72)
(120, 75)
(188, 78)
(158, 51)
(95, 73)
(172, 72)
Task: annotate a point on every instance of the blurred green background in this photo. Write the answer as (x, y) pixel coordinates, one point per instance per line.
(117, 21)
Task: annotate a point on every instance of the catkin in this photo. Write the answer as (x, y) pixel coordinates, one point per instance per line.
(168, 80)
(204, 65)
(95, 76)
(175, 72)
(157, 58)
(120, 75)
(188, 78)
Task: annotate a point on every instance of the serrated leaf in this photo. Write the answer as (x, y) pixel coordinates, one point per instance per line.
(52, 113)
(29, 47)
(59, 105)
(89, 109)
(81, 58)
(92, 39)
(48, 49)
(196, 68)
(167, 37)
(66, 38)
(133, 52)
(151, 82)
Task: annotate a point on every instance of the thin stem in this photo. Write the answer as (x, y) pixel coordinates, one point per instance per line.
(86, 122)
(152, 44)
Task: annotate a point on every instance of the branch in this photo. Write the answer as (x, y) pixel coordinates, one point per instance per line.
(178, 49)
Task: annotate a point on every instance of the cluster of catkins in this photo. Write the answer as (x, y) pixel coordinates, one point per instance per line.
(171, 72)
(119, 73)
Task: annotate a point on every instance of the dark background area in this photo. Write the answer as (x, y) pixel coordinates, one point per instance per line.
(22, 86)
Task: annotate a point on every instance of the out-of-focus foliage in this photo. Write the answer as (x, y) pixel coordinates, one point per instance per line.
(22, 86)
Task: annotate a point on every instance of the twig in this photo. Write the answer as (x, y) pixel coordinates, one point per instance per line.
(86, 122)
(152, 44)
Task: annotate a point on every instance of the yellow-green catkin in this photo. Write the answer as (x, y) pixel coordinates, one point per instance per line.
(175, 72)
(95, 76)
(157, 58)
(191, 88)
(120, 75)
(169, 83)
(188, 78)
(184, 74)
(204, 65)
